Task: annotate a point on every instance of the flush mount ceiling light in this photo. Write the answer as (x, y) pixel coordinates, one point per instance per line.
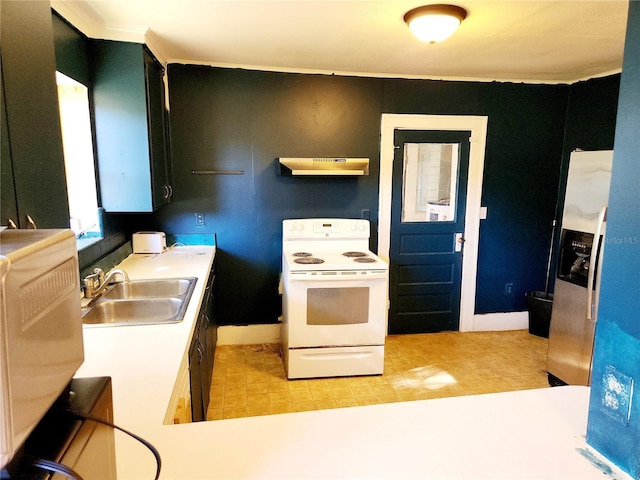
(434, 23)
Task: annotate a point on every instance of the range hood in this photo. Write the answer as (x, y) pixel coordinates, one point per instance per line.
(323, 166)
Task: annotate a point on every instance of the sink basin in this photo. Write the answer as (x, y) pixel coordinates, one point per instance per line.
(169, 287)
(135, 312)
(142, 302)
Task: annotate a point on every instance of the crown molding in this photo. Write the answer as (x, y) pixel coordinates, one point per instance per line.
(80, 15)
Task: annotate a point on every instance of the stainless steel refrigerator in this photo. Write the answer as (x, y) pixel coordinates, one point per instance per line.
(575, 297)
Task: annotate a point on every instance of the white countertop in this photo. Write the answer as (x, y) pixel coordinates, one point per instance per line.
(530, 434)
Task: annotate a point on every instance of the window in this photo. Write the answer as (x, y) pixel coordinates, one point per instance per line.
(85, 217)
(430, 182)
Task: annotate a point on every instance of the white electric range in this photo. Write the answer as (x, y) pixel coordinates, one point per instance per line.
(334, 300)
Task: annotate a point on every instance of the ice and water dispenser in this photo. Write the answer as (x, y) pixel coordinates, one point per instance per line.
(575, 257)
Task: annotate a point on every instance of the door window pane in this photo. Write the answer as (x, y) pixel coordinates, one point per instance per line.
(430, 178)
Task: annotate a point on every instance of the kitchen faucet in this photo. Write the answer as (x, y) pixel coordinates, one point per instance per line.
(97, 282)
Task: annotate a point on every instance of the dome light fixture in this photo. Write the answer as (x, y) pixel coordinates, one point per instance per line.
(434, 23)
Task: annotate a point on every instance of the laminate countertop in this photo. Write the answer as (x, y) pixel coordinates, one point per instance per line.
(530, 434)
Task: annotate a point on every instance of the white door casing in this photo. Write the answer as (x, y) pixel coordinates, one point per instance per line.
(478, 127)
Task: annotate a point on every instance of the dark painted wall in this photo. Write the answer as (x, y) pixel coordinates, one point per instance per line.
(242, 120)
(228, 119)
(72, 56)
(614, 408)
(526, 129)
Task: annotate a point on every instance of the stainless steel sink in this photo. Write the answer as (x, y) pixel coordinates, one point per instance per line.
(142, 302)
(170, 287)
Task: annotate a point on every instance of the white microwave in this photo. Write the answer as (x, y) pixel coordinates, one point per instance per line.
(41, 343)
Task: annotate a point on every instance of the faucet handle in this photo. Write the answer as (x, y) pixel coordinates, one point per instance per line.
(90, 283)
(98, 271)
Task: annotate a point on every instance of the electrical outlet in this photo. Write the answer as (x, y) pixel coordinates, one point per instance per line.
(199, 219)
(508, 289)
(616, 394)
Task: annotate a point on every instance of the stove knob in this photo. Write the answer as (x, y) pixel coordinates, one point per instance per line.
(292, 227)
(353, 227)
(300, 227)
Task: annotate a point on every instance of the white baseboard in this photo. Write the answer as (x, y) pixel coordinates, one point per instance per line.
(270, 333)
(493, 322)
(249, 334)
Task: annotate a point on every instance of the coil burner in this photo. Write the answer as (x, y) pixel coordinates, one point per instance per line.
(308, 260)
(354, 254)
(364, 260)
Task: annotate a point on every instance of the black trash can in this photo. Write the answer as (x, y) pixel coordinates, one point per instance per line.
(539, 305)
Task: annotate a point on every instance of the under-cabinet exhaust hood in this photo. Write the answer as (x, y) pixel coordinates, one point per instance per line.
(324, 166)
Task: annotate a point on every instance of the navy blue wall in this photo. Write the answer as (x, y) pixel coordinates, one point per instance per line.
(614, 409)
(243, 120)
(226, 119)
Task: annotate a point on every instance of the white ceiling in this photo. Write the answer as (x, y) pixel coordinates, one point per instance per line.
(541, 41)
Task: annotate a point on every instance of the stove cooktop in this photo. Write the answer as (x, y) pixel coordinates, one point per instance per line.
(333, 260)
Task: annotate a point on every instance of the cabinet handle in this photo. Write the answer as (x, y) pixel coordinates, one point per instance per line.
(170, 188)
(217, 172)
(12, 224)
(31, 222)
(200, 354)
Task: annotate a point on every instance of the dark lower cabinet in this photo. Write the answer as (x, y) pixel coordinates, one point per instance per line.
(202, 353)
(196, 372)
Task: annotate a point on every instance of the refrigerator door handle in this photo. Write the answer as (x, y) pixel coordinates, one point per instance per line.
(595, 248)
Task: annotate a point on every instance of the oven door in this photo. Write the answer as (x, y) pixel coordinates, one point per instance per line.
(337, 311)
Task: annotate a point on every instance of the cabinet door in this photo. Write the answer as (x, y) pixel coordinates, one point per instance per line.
(157, 119)
(205, 372)
(120, 116)
(195, 379)
(31, 135)
(130, 124)
(212, 327)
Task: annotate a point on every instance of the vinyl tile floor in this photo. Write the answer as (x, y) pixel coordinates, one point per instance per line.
(250, 380)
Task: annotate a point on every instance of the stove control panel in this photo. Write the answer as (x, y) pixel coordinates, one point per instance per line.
(326, 228)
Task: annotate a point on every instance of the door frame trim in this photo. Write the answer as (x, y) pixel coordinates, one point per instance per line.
(478, 127)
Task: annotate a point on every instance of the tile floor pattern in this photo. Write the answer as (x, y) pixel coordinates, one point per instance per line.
(249, 380)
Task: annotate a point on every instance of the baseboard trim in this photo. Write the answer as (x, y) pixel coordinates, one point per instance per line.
(494, 322)
(270, 333)
(249, 334)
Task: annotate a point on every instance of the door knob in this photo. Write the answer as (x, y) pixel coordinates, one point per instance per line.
(459, 241)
